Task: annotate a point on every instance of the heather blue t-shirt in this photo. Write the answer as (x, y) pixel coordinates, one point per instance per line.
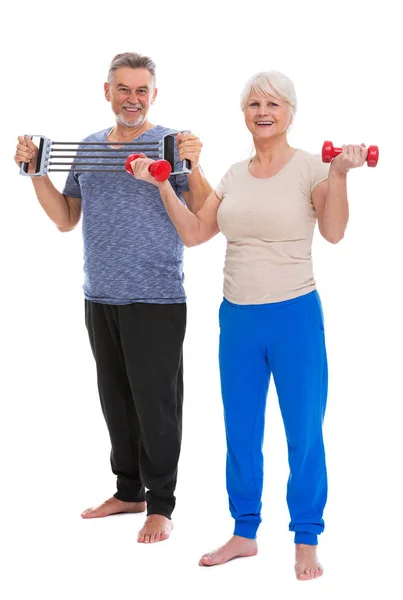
(132, 252)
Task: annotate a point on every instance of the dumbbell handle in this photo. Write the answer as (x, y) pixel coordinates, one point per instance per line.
(337, 151)
(159, 169)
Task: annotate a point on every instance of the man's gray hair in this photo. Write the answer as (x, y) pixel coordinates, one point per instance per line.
(133, 61)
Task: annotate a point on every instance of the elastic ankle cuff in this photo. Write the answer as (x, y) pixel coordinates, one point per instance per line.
(305, 537)
(246, 529)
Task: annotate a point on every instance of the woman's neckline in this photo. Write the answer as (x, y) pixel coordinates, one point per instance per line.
(283, 168)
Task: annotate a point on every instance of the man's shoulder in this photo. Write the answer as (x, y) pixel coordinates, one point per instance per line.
(160, 131)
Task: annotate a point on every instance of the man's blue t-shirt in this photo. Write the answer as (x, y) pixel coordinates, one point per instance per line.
(132, 252)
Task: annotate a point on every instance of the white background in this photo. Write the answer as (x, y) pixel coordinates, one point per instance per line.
(345, 61)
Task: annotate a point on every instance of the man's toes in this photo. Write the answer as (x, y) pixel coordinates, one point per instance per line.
(206, 560)
(90, 512)
(140, 538)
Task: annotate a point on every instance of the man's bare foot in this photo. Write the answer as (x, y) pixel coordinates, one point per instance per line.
(157, 528)
(237, 547)
(307, 565)
(113, 506)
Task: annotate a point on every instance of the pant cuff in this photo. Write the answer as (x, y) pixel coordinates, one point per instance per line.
(247, 529)
(159, 511)
(134, 497)
(305, 537)
(158, 505)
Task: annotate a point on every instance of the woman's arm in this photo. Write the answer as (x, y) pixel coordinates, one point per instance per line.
(194, 229)
(329, 198)
(330, 201)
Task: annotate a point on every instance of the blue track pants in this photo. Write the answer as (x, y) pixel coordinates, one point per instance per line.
(285, 339)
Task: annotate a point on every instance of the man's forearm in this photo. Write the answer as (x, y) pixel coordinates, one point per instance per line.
(336, 211)
(199, 189)
(52, 201)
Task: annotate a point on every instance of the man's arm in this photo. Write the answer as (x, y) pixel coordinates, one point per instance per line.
(64, 211)
(189, 147)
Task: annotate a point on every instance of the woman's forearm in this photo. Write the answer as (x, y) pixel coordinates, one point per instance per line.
(336, 211)
(190, 227)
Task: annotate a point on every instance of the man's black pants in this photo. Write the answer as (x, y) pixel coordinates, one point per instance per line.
(138, 354)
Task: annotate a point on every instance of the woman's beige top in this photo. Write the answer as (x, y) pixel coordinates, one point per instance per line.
(269, 226)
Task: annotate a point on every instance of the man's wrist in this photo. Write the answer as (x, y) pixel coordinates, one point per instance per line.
(195, 169)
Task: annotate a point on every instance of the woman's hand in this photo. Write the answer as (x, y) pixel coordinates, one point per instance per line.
(140, 167)
(351, 156)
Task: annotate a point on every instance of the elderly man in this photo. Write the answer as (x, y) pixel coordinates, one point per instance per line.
(135, 304)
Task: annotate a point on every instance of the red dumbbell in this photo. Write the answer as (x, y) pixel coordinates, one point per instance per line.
(329, 152)
(160, 169)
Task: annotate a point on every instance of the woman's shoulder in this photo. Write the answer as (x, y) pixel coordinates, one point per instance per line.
(312, 167)
(309, 157)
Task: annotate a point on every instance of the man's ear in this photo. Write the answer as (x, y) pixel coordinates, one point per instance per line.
(107, 91)
(154, 95)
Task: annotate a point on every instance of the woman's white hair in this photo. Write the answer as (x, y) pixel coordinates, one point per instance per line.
(271, 83)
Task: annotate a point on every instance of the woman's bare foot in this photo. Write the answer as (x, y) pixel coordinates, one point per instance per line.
(307, 565)
(237, 547)
(113, 506)
(157, 528)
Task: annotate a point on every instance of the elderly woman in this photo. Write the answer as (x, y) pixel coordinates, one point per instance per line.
(271, 318)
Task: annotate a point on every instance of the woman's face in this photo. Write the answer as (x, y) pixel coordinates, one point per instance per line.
(266, 116)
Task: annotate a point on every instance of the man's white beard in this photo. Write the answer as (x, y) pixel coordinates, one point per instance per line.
(137, 123)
